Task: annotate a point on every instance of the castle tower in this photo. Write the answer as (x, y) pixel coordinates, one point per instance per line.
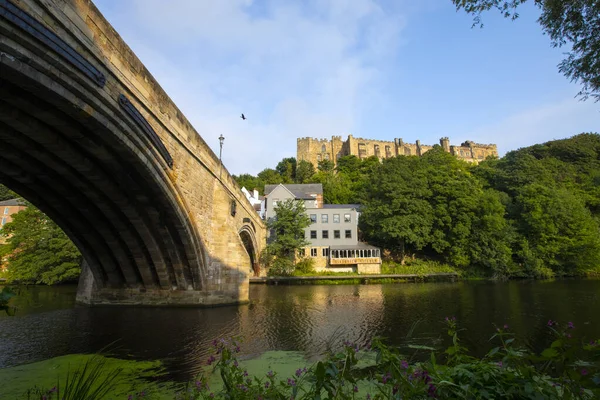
(445, 143)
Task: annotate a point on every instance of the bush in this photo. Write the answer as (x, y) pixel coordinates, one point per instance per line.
(305, 266)
(281, 266)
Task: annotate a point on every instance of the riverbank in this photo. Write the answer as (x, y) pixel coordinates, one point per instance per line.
(350, 279)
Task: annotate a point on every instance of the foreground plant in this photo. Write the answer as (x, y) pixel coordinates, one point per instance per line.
(567, 369)
(506, 371)
(92, 381)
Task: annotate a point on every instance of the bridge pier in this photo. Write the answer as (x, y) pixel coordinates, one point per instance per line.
(88, 293)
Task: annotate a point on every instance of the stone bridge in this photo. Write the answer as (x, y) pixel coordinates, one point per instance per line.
(89, 137)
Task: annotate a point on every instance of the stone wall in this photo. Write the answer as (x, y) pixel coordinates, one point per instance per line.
(202, 193)
(314, 150)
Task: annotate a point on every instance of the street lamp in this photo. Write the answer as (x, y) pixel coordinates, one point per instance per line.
(221, 140)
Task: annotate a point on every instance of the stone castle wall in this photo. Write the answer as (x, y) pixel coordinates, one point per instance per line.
(315, 150)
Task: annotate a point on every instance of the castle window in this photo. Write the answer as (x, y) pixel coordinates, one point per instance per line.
(327, 156)
(377, 152)
(323, 149)
(388, 151)
(318, 157)
(362, 150)
(462, 153)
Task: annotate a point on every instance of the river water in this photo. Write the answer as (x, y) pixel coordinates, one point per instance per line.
(308, 319)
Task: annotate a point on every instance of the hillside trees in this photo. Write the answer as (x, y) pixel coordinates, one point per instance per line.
(38, 251)
(433, 207)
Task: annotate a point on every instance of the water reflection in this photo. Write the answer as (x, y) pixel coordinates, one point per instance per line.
(302, 318)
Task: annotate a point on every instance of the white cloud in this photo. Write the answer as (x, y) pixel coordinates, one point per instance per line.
(295, 69)
(540, 124)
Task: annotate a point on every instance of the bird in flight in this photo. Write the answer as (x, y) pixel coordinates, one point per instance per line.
(243, 117)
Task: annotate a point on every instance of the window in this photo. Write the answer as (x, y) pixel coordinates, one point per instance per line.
(323, 149)
(318, 157)
(348, 234)
(324, 218)
(313, 218)
(5, 210)
(301, 253)
(376, 149)
(388, 151)
(325, 234)
(325, 251)
(275, 202)
(313, 252)
(313, 234)
(362, 150)
(3, 220)
(327, 156)
(336, 218)
(347, 218)
(336, 234)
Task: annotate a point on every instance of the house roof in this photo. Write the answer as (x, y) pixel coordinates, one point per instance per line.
(300, 191)
(12, 202)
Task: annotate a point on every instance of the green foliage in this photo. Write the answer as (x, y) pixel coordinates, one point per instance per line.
(287, 229)
(286, 168)
(6, 193)
(326, 166)
(304, 171)
(5, 295)
(432, 206)
(38, 250)
(416, 266)
(305, 266)
(90, 382)
(564, 370)
(566, 21)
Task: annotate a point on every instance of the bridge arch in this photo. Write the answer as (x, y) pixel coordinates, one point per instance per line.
(96, 178)
(248, 237)
(90, 137)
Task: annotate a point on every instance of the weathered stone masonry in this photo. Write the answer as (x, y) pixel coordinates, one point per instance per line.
(151, 232)
(315, 150)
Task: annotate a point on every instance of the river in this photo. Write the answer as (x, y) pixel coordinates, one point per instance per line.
(307, 319)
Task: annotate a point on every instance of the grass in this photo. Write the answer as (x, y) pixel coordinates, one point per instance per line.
(418, 267)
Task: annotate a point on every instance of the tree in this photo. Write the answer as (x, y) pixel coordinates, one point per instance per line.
(249, 182)
(287, 169)
(326, 166)
(287, 227)
(269, 176)
(38, 250)
(576, 22)
(304, 171)
(6, 193)
(433, 207)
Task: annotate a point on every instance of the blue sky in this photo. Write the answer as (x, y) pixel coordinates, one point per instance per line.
(374, 69)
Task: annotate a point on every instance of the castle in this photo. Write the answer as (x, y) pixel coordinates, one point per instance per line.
(315, 150)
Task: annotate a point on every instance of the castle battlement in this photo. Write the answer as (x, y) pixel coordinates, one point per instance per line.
(315, 150)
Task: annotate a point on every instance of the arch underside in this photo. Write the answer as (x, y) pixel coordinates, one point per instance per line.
(113, 199)
(249, 241)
